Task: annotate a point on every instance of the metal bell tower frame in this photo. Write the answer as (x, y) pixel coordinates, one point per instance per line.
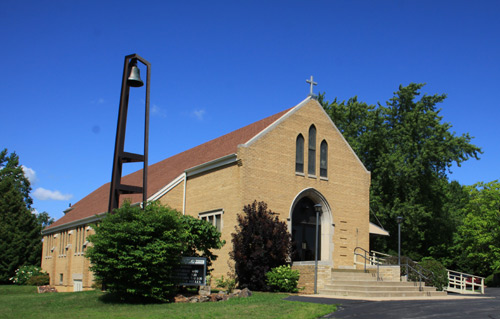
(131, 78)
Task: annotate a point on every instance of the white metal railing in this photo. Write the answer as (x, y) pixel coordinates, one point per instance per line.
(378, 258)
(463, 283)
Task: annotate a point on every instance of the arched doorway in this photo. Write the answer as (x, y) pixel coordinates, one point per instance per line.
(304, 231)
(302, 223)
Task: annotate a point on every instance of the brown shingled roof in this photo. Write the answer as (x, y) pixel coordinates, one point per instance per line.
(165, 171)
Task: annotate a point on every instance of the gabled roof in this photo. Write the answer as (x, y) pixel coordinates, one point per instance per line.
(165, 171)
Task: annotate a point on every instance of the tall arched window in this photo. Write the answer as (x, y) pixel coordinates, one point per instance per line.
(323, 159)
(299, 154)
(311, 159)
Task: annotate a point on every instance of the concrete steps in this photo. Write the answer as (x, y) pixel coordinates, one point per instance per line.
(357, 283)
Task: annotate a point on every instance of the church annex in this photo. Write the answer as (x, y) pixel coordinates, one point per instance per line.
(291, 160)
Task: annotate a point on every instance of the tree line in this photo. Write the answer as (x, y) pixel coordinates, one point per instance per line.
(20, 227)
(409, 151)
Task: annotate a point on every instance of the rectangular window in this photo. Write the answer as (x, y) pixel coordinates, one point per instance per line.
(213, 217)
(61, 279)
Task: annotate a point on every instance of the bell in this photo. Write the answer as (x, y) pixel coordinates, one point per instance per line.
(134, 79)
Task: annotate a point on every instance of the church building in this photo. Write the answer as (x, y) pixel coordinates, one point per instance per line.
(292, 160)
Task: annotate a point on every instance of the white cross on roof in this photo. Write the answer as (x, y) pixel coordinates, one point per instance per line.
(312, 83)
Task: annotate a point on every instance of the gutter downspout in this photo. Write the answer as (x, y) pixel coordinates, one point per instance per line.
(184, 195)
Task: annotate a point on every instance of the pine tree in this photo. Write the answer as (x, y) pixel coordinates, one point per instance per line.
(20, 239)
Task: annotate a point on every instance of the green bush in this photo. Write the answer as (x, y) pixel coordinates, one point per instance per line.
(136, 252)
(493, 280)
(283, 279)
(227, 284)
(438, 276)
(24, 273)
(39, 280)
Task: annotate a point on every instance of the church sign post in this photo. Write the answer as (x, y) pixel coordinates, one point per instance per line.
(192, 271)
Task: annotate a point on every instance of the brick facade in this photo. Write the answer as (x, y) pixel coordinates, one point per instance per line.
(263, 168)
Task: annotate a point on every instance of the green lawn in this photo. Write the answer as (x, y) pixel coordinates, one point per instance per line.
(24, 302)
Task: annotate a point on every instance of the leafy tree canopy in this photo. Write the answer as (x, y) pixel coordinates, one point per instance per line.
(20, 239)
(409, 151)
(478, 239)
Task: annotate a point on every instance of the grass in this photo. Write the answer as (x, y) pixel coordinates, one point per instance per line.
(24, 302)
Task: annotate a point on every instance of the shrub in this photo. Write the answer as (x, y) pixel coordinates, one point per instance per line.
(283, 279)
(261, 242)
(439, 276)
(201, 238)
(24, 273)
(493, 280)
(39, 280)
(136, 252)
(227, 284)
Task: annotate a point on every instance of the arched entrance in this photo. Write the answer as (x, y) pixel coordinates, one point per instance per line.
(303, 225)
(304, 230)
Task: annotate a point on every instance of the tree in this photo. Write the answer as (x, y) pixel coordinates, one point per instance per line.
(201, 239)
(409, 151)
(261, 242)
(478, 237)
(135, 252)
(20, 238)
(44, 219)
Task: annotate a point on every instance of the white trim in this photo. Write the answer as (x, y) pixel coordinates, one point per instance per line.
(73, 224)
(184, 195)
(167, 188)
(327, 221)
(225, 160)
(275, 123)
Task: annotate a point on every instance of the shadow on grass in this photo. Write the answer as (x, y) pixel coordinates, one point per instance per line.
(114, 298)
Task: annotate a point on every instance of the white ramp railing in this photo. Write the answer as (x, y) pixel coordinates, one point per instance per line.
(463, 283)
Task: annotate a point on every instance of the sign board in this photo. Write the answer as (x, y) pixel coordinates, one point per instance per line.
(192, 271)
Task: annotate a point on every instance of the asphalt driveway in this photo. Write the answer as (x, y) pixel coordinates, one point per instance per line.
(471, 307)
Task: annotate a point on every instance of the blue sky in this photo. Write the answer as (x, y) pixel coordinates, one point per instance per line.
(220, 65)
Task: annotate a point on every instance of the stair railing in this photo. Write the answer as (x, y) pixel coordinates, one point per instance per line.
(363, 253)
(378, 258)
(460, 282)
(417, 272)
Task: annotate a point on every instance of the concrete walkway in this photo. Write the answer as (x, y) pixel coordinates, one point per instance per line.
(452, 306)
